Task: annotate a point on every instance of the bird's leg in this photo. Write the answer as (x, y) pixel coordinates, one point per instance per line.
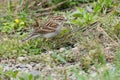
(68, 25)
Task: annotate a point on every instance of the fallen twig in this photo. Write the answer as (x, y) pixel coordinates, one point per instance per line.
(52, 7)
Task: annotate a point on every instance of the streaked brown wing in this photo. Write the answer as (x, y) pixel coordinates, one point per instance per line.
(49, 27)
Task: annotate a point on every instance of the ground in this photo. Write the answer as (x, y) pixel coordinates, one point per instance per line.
(89, 51)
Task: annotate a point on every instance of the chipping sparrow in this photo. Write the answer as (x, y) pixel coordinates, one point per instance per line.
(48, 30)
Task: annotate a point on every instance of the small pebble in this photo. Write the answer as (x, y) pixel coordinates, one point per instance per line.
(28, 66)
(62, 49)
(75, 50)
(50, 52)
(20, 59)
(35, 73)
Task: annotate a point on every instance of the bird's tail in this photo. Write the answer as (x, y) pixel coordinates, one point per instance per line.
(31, 36)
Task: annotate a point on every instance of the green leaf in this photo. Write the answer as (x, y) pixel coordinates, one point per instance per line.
(10, 5)
(14, 74)
(30, 77)
(20, 2)
(58, 57)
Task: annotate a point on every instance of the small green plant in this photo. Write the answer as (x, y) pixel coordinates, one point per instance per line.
(12, 26)
(13, 6)
(82, 17)
(117, 30)
(10, 6)
(15, 75)
(117, 59)
(15, 18)
(102, 6)
(77, 75)
(8, 75)
(26, 76)
(58, 58)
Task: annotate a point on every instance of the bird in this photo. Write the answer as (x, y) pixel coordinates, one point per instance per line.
(49, 29)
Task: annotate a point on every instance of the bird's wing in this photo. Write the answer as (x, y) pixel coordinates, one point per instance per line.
(49, 27)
